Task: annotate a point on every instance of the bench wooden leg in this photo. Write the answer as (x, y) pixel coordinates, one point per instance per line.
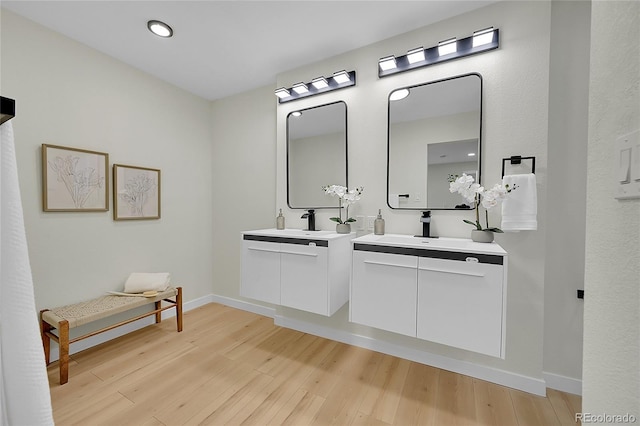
(63, 343)
(158, 314)
(179, 308)
(46, 340)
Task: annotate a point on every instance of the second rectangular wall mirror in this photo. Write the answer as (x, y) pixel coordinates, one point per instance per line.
(316, 155)
(434, 132)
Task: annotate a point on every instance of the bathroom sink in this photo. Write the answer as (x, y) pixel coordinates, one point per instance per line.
(450, 244)
(296, 233)
(301, 233)
(424, 242)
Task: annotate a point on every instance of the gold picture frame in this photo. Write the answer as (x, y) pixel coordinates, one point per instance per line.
(74, 179)
(136, 193)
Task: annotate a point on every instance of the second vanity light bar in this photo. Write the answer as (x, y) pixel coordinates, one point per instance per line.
(481, 41)
(338, 80)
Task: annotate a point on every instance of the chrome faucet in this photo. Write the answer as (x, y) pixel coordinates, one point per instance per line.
(311, 219)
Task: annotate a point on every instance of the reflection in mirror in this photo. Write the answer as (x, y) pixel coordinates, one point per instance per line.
(434, 133)
(316, 155)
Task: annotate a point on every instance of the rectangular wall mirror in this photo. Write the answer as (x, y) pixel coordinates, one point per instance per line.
(434, 132)
(316, 155)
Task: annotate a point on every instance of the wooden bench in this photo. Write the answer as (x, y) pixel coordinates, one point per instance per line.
(70, 316)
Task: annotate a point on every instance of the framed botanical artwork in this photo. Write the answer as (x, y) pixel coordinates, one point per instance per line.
(74, 180)
(136, 193)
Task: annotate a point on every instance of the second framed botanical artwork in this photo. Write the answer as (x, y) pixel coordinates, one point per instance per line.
(74, 180)
(136, 193)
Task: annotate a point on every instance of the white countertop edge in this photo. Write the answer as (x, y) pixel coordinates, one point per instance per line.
(443, 243)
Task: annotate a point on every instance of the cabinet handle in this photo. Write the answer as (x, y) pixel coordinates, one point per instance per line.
(300, 254)
(371, 262)
(471, 274)
(261, 249)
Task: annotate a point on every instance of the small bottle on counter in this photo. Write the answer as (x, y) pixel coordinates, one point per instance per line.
(378, 224)
(280, 221)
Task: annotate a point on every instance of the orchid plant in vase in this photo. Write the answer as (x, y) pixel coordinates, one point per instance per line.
(474, 193)
(346, 197)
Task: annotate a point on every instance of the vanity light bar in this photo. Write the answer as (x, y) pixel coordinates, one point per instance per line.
(481, 41)
(339, 80)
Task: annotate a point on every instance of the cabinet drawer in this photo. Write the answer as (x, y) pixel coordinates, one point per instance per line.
(460, 304)
(383, 291)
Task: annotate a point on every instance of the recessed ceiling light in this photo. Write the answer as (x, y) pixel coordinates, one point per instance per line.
(160, 29)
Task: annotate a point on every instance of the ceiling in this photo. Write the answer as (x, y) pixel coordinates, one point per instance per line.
(221, 48)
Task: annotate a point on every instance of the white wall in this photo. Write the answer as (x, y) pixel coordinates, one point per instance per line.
(611, 365)
(515, 111)
(244, 179)
(68, 94)
(568, 125)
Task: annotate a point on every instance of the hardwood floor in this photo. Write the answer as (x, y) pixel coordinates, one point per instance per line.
(234, 367)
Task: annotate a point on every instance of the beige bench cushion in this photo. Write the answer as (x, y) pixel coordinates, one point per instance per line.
(101, 307)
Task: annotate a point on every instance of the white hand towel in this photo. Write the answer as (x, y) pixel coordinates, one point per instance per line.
(520, 208)
(24, 386)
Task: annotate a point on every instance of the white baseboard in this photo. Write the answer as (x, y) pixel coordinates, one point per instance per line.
(563, 383)
(494, 375)
(245, 306)
(127, 328)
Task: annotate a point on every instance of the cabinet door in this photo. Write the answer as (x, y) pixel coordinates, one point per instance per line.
(460, 304)
(383, 291)
(303, 282)
(260, 271)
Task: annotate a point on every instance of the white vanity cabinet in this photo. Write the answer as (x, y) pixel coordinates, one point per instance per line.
(306, 270)
(451, 291)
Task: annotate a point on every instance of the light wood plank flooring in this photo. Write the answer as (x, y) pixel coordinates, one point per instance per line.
(233, 367)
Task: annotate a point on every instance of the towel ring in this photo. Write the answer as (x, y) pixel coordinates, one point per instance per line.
(517, 159)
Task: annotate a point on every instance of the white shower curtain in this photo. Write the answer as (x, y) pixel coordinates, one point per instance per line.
(24, 388)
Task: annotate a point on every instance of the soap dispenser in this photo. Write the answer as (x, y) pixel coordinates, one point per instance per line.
(378, 224)
(280, 221)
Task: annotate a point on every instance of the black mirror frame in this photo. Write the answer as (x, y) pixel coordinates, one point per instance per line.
(346, 153)
(479, 140)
